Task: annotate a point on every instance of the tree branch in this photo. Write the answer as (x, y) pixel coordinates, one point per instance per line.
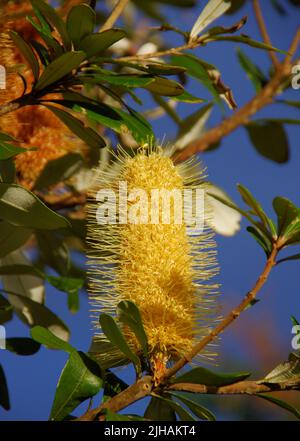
(242, 387)
(115, 14)
(243, 115)
(263, 31)
(231, 317)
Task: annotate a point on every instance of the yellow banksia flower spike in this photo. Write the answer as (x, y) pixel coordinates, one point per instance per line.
(164, 268)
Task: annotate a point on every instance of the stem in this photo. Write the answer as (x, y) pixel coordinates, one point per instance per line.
(115, 14)
(263, 30)
(231, 317)
(243, 115)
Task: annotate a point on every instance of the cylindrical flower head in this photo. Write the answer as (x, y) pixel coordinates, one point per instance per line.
(149, 253)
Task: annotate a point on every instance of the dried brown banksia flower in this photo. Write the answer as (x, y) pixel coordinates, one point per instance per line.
(162, 267)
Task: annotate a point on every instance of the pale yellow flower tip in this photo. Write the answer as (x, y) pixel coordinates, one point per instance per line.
(163, 268)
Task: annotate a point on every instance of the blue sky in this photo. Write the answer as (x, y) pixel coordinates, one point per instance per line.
(263, 338)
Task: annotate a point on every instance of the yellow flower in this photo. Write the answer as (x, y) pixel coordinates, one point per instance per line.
(161, 267)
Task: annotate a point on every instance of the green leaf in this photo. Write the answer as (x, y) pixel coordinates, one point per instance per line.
(87, 134)
(22, 208)
(183, 414)
(95, 44)
(80, 23)
(158, 410)
(164, 87)
(204, 376)
(192, 127)
(12, 237)
(54, 252)
(262, 239)
(269, 139)
(115, 336)
(59, 170)
(288, 218)
(187, 97)
(22, 346)
(9, 150)
(291, 103)
(249, 199)
(79, 380)
(246, 40)
(27, 52)
(129, 314)
(287, 259)
(119, 79)
(192, 402)
(113, 385)
(7, 171)
(280, 403)
(59, 68)
(253, 72)
(39, 315)
(70, 286)
(49, 13)
(45, 337)
(4, 396)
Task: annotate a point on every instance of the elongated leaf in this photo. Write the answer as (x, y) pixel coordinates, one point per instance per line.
(49, 13)
(158, 410)
(95, 44)
(27, 53)
(59, 170)
(115, 336)
(113, 385)
(281, 404)
(192, 127)
(253, 72)
(22, 346)
(79, 380)
(54, 252)
(287, 259)
(9, 150)
(59, 68)
(4, 396)
(261, 239)
(192, 401)
(183, 414)
(80, 23)
(164, 87)
(129, 314)
(87, 134)
(120, 80)
(269, 139)
(6, 310)
(22, 208)
(12, 237)
(50, 340)
(246, 40)
(187, 97)
(213, 10)
(202, 375)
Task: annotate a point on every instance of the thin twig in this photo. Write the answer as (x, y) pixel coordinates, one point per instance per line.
(231, 317)
(115, 14)
(240, 388)
(263, 30)
(243, 115)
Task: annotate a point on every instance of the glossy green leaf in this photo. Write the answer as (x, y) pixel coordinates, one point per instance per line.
(281, 404)
(289, 258)
(204, 376)
(22, 346)
(120, 80)
(158, 410)
(59, 170)
(164, 87)
(263, 240)
(45, 337)
(87, 134)
(54, 252)
(9, 150)
(59, 68)
(79, 380)
(95, 44)
(4, 395)
(80, 23)
(187, 97)
(253, 72)
(288, 218)
(269, 139)
(183, 414)
(115, 336)
(49, 13)
(12, 237)
(193, 402)
(129, 314)
(22, 208)
(27, 52)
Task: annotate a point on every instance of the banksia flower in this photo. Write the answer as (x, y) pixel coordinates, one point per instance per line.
(162, 267)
